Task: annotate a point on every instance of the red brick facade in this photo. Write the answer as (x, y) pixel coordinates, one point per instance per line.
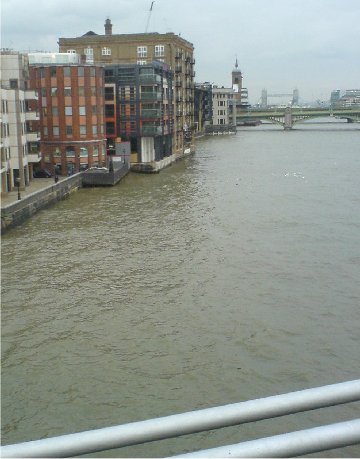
(71, 106)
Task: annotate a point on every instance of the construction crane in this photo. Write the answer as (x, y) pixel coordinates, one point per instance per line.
(149, 16)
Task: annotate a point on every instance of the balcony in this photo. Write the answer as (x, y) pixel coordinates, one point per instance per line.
(32, 115)
(149, 79)
(33, 136)
(178, 55)
(151, 96)
(151, 113)
(31, 94)
(178, 68)
(34, 157)
(151, 130)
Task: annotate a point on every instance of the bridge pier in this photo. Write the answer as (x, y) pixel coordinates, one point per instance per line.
(288, 119)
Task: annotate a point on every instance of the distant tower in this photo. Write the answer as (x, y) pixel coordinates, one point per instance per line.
(108, 27)
(237, 80)
(295, 99)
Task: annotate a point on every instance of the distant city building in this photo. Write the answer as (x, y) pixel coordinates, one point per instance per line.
(139, 110)
(20, 147)
(143, 49)
(223, 106)
(341, 99)
(71, 105)
(202, 106)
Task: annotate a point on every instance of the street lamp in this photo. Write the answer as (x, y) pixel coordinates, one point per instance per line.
(17, 180)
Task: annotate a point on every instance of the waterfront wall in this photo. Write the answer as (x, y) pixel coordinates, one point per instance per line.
(15, 213)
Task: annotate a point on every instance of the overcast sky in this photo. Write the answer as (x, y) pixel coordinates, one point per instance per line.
(312, 45)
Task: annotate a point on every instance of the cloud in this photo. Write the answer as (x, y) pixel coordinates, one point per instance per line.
(310, 43)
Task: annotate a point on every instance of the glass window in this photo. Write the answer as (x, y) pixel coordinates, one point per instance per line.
(69, 130)
(106, 51)
(68, 111)
(81, 91)
(142, 51)
(70, 152)
(141, 62)
(53, 71)
(94, 129)
(159, 50)
(67, 72)
(82, 129)
(54, 91)
(82, 111)
(55, 111)
(56, 130)
(92, 71)
(83, 152)
(80, 71)
(93, 90)
(67, 91)
(43, 92)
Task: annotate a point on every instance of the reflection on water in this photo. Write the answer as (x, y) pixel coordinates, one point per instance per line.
(230, 276)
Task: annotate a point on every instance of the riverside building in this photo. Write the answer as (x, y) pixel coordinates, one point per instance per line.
(143, 49)
(20, 147)
(139, 110)
(71, 105)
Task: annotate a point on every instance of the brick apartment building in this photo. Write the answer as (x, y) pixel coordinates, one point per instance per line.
(143, 49)
(71, 105)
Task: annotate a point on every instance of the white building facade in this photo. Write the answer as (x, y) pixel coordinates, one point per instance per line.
(20, 138)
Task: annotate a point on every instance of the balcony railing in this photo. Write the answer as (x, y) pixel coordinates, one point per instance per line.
(149, 79)
(151, 130)
(151, 113)
(154, 96)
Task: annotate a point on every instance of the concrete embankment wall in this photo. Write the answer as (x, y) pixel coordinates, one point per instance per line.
(14, 214)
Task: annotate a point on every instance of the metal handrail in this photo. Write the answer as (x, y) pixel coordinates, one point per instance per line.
(291, 444)
(186, 423)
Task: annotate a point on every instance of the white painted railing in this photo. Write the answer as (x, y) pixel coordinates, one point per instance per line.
(320, 438)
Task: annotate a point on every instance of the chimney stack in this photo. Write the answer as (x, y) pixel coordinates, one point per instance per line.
(108, 27)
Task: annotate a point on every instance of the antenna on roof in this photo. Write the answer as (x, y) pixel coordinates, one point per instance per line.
(149, 15)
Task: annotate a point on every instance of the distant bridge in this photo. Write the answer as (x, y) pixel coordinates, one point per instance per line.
(288, 116)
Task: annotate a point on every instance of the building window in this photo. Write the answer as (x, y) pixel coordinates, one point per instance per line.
(69, 130)
(56, 130)
(94, 129)
(43, 92)
(70, 152)
(142, 51)
(141, 62)
(106, 51)
(53, 71)
(82, 111)
(83, 152)
(54, 91)
(68, 111)
(45, 131)
(82, 129)
(80, 71)
(89, 53)
(67, 91)
(55, 111)
(93, 90)
(92, 71)
(159, 50)
(67, 72)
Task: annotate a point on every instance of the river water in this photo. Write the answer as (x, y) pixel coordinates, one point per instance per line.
(232, 275)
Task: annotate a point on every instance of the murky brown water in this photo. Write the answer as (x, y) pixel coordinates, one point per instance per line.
(230, 276)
